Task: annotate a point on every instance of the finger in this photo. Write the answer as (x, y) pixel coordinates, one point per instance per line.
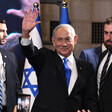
(25, 15)
(78, 111)
(83, 110)
(37, 23)
(88, 111)
(35, 14)
(30, 12)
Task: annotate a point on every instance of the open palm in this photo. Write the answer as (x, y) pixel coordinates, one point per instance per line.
(29, 21)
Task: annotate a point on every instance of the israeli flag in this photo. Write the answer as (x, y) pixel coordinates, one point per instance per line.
(29, 83)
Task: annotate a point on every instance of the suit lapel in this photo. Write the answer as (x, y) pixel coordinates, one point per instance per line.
(60, 71)
(79, 72)
(101, 58)
(97, 54)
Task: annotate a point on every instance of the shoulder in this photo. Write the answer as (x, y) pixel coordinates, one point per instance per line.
(45, 50)
(84, 66)
(7, 53)
(91, 51)
(82, 62)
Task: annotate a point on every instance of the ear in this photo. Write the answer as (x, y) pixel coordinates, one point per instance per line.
(75, 39)
(53, 41)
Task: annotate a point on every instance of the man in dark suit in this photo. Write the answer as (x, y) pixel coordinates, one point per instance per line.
(54, 95)
(92, 55)
(8, 73)
(104, 74)
(11, 81)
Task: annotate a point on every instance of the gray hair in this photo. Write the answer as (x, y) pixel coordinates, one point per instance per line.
(66, 26)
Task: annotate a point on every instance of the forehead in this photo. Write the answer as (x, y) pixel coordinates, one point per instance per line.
(108, 27)
(63, 31)
(3, 26)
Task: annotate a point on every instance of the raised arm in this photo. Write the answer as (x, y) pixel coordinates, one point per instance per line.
(29, 22)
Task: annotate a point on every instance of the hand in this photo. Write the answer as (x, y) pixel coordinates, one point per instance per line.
(29, 22)
(84, 111)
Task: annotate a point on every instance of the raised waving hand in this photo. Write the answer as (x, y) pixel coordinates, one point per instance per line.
(29, 22)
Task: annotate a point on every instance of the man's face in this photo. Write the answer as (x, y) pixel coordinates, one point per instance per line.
(3, 33)
(64, 41)
(108, 36)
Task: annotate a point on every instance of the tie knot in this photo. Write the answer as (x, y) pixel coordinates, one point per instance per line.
(65, 59)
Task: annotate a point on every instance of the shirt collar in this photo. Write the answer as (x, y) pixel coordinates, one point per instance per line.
(70, 58)
(103, 47)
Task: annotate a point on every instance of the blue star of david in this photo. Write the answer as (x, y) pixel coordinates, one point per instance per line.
(33, 88)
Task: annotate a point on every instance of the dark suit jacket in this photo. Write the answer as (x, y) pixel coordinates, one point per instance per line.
(53, 93)
(20, 60)
(91, 55)
(12, 81)
(107, 87)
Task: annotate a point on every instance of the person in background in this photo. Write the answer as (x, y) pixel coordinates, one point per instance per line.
(76, 92)
(8, 73)
(11, 43)
(104, 70)
(92, 54)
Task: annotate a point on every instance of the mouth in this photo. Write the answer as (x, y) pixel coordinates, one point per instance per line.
(64, 48)
(3, 41)
(109, 43)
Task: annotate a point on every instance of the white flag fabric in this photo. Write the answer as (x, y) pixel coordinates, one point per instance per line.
(29, 81)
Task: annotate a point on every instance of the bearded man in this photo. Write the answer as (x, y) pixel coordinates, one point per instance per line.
(104, 70)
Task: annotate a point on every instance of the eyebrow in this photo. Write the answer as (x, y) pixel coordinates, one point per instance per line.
(107, 31)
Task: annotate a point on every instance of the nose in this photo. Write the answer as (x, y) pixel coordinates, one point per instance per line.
(64, 42)
(5, 34)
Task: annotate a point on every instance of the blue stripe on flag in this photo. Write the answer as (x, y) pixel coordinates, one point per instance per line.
(39, 26)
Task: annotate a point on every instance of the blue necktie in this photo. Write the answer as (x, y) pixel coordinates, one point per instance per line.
(0, 96)
(67, 71)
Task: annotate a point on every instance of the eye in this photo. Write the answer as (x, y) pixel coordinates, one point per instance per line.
(60, 39)
(105, 32)
(68, 39)
(1, 30)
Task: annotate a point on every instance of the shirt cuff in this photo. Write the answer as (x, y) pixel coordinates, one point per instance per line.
(25, 41)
